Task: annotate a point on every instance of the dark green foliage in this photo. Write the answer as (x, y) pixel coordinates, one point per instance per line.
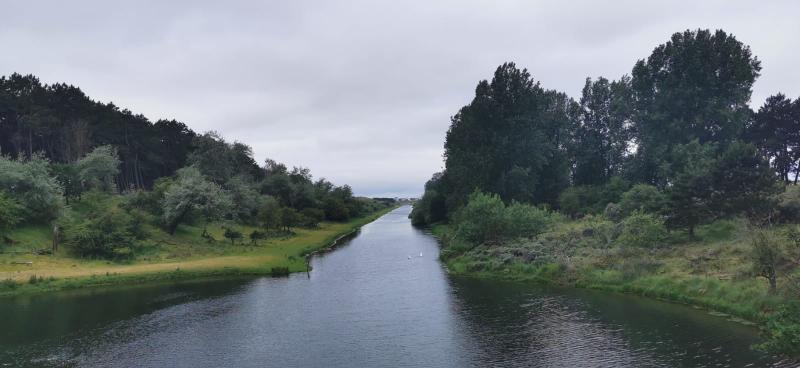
(65, 124)
(289, 218)
(766, 257)
(509, 140)
(643, 230)
(485, 218)
(600, 138)
(432, 207)
(694, 87)
(232, 235)
(788, 204)
(279, 271)
(591, 199)
(10, 214)
(782, 330)
(269, 215)
(103, 233)
(311, 217)
(642, 197)
(256, 235)
(775, 130)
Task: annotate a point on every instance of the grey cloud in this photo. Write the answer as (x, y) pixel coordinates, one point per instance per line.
(361, 92)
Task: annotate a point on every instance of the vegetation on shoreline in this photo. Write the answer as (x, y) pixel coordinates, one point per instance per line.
(274, 257)
(89, 190)
(664, 183)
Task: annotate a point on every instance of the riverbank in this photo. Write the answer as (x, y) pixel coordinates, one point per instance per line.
(29, 273)
(710, 272)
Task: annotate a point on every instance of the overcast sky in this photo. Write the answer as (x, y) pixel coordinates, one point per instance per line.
(360, 92)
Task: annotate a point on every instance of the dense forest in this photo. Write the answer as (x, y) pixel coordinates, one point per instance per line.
(638, 164)
(100, 176)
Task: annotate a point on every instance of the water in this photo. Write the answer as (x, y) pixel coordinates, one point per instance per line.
(374, 302)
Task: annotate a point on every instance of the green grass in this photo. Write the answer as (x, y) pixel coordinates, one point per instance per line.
(710, 271)
(183, 256)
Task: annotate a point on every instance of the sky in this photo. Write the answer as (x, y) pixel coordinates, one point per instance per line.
(360, 92)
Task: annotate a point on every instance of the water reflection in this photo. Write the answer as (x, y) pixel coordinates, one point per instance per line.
(373, 303)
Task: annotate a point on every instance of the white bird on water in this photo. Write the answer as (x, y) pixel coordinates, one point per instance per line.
(420, 254)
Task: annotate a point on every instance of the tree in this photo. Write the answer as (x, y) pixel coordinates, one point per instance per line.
(691, 189)
(289, 218)
(696, 86)
(97, 169)
(192, 192)
(10, 213)
(509, 140)
(246, 198)
(775, 130)
(232, 235)
(600, 138)
(255, 236)
(743, 183)
(269, 214)
(28, 182)
(642, 197)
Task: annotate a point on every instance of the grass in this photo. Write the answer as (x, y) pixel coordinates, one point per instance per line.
(711, 271)
(182, 256)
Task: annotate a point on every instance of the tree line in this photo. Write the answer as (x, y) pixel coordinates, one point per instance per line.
(678, 130)
(100, 174)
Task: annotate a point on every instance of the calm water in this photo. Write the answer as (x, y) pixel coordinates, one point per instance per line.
(367, 304)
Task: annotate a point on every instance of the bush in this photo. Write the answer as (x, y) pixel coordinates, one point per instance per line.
(232, 235)
(104, 233)
(642, 197)
(256, 235)
(525, 220)
(29, 183)
(311, 217)
(486, 218)
(279, 271)
(642, 230)
(482, 219)
(789, 204)
(782, 332)
(613, 212)
(579, 200)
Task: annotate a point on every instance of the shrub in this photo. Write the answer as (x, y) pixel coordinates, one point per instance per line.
(579, 200)
(311, 217)
(613, 212)
(642, 230)
(29, 183)
(279, 271)
(482, 219)
(232, 235)
(101, 234)
(642, 197)
(525, 220)
(10, 211)
(789, 204)
(782, 330)
(766, 257)
(256, 235)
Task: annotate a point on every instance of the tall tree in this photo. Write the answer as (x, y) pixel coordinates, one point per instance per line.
(775, 130)
(695, 86)
(509, 140)
(600, 139)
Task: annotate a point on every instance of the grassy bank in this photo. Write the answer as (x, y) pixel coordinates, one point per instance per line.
(182, 256)
(711, 271)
